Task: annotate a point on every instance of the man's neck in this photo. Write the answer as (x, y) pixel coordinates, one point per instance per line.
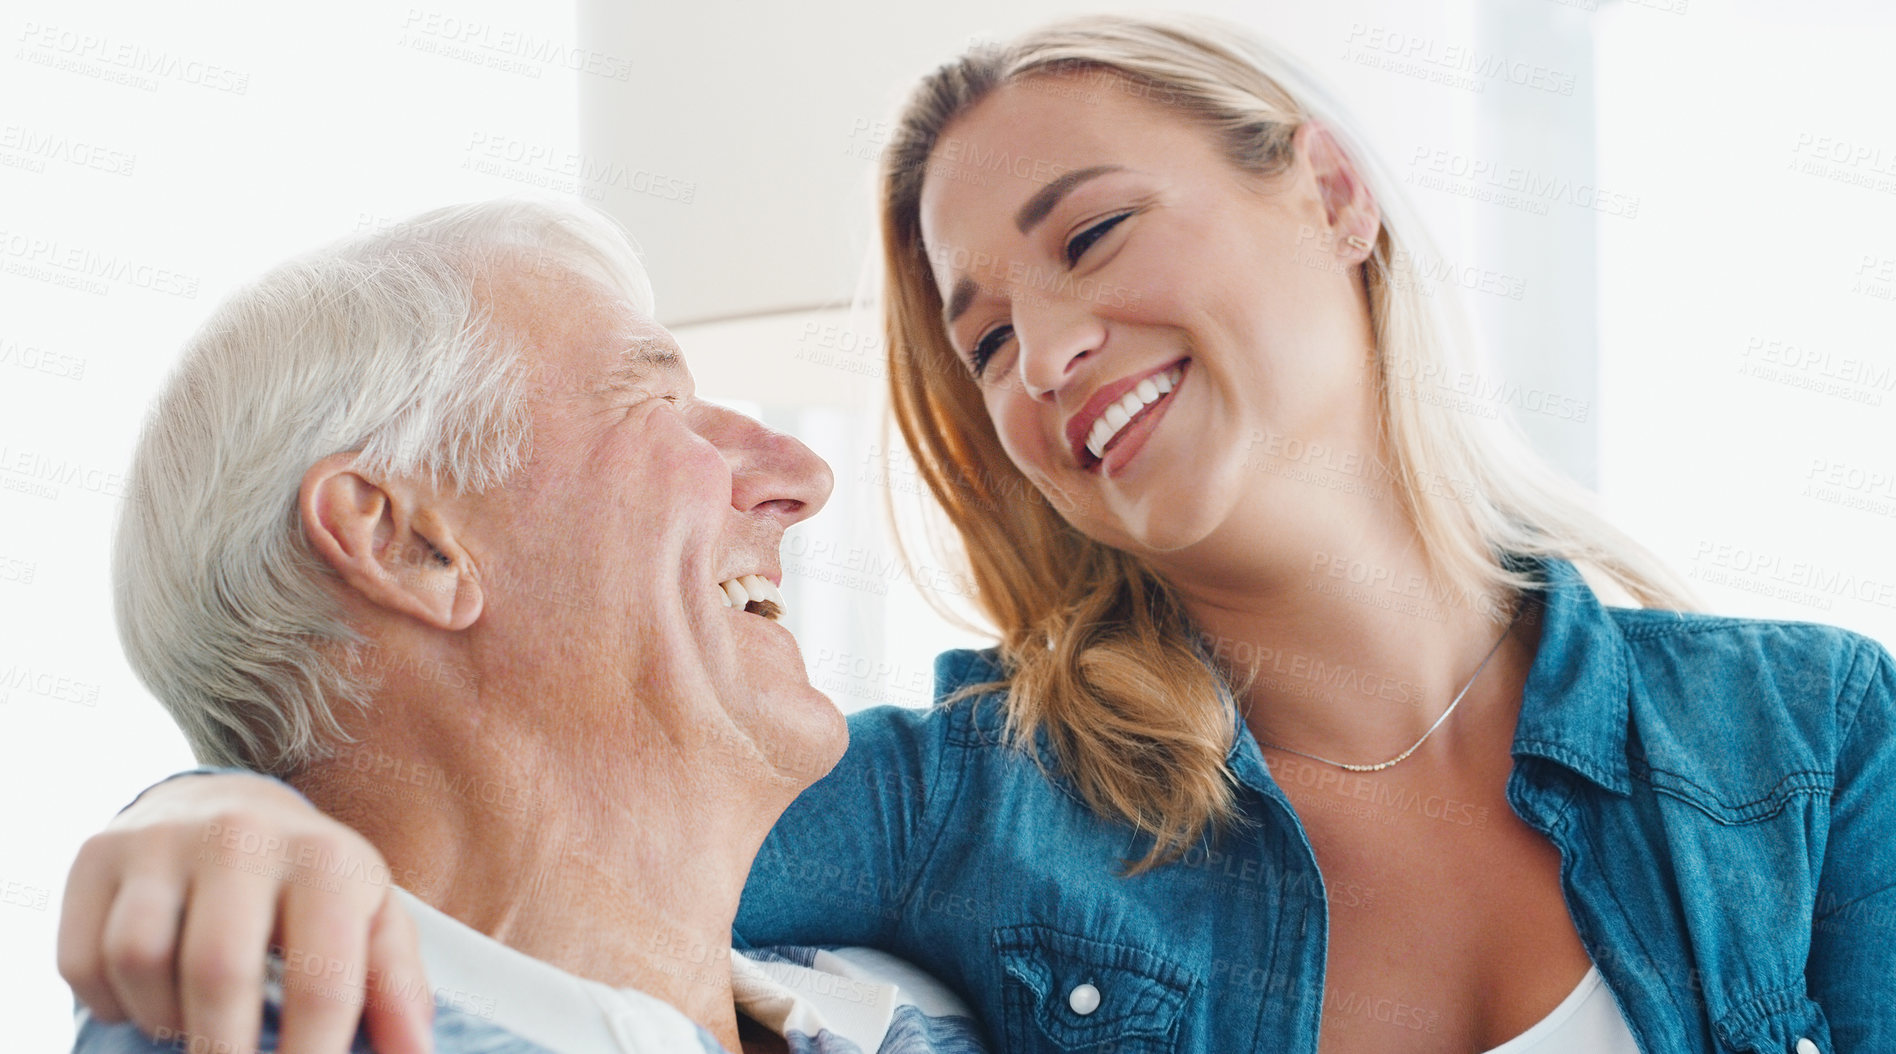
(626, 872)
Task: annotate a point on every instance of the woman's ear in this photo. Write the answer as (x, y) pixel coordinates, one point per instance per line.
(1353, 216)
(394, 543)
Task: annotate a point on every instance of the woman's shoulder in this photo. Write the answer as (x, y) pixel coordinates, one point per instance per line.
(964, 731)
(958, 716)
(1746, 689)
(1809, 658)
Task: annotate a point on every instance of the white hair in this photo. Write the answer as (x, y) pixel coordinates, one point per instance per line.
(376, 345)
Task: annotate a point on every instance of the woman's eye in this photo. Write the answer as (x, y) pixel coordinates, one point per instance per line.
(985, 348)
(1085, 239)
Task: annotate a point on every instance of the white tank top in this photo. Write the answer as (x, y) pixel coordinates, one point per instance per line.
(1588, 1021)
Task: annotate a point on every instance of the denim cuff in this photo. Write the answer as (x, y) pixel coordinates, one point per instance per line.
(213, 770)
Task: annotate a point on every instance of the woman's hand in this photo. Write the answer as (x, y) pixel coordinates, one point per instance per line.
(171, 910)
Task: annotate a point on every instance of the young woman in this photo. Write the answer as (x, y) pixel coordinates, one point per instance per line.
(1306, 730)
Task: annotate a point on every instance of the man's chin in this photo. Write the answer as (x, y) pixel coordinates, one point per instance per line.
(813, 734)
(798, 729)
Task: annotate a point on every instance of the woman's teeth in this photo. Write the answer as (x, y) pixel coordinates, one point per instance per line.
(754, 594)
(1144, 394)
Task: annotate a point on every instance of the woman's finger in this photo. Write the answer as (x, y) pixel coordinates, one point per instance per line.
(140, 945)
(225, 945)
(400, 1013)
(325, 924)
(91, 886)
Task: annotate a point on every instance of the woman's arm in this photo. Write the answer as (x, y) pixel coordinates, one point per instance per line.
(1852, 967)
(170, 913)
(839, 866)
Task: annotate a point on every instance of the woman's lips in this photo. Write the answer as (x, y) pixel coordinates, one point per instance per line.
(1117, 410)
(1132, 438)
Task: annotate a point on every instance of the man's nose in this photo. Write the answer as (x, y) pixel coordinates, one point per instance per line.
(771, 473)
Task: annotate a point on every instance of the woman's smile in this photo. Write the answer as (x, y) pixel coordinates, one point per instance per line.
(1113, 426)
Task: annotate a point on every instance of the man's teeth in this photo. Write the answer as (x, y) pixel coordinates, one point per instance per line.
(1143, 394)
(748, 590)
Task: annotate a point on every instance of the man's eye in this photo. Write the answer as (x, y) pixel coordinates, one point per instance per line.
(985, 348)
(1085, 239)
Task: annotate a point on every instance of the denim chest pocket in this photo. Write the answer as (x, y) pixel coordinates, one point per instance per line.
(1062, 992)
(1734, 806)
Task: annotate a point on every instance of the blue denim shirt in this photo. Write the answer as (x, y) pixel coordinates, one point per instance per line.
(1722, 793)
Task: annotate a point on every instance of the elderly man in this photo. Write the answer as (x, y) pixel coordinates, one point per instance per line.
(432, 525)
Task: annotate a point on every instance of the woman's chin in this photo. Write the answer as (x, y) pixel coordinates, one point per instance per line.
(1181, 512)
(1162, 526)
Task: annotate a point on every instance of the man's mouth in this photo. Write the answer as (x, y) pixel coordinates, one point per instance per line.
(754, 594)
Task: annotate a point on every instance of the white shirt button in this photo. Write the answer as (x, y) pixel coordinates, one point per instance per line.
(1805, 1046)
(1084, 999)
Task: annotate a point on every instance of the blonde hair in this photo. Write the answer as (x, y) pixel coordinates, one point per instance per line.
(1100, 655)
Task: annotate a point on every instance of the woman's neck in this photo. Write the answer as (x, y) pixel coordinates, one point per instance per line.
(1349, 647)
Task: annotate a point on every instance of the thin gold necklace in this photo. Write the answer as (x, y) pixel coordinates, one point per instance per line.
(1425, 736)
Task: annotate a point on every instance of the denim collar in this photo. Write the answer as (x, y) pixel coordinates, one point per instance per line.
(1575, 706)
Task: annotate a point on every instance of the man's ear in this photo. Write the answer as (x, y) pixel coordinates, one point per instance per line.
(392, 542)
(1352, 213)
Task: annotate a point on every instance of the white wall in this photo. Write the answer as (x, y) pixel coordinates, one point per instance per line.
(152, 157)
(1749, 374)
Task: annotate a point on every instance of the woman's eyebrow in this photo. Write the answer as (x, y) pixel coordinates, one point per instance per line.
(958, 303)
(1030, 214)
(1041, 203)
